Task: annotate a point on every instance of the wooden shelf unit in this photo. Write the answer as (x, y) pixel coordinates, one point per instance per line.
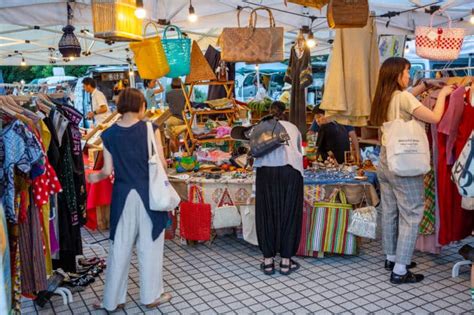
(189, 110)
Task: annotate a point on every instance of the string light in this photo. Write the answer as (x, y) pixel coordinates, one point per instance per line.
(23, 62)
(471, 20)
(192, 17)
(407, 49)
(310, 41)
(140, 12)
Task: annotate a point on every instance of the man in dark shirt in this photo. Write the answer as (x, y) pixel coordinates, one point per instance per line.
(332, 137)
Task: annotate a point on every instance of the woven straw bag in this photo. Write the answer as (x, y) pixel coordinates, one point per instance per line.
(150, 57)
(252, 44)
(318, 4)
(348, 13)
(437, 43)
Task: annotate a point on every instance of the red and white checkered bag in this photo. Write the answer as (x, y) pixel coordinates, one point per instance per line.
(437, 43)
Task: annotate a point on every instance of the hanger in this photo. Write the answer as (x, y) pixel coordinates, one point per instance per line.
(5, 109)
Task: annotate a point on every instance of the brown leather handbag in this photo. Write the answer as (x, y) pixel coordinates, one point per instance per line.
(318, 4)
(348, 13)
(252, 44)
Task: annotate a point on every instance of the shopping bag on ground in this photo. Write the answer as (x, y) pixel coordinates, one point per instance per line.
(249, 229)
(195, 217)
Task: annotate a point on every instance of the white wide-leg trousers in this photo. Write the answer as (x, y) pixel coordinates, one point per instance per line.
(134, 226)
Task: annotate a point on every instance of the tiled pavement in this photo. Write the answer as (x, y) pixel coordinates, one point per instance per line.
(225, 278)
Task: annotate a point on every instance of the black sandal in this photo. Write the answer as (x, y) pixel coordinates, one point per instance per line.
(291, 268)
(265, 268)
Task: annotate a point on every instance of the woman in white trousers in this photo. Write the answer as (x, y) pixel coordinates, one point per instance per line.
(131, 220)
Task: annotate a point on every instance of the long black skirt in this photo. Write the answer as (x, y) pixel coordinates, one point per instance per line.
(278, 210)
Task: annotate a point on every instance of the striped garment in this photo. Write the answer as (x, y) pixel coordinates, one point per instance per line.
(427, 224)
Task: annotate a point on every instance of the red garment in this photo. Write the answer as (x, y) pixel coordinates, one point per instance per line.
(455, 222)
(46, 184)
(98, 194)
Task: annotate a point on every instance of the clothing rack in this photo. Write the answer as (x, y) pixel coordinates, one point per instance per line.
(457, 266)
(469, 70)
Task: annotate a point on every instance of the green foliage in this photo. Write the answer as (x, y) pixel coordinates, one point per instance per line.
(16, 74)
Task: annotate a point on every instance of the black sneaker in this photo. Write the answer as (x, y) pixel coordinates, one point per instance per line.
(409, 277)
(390, 264)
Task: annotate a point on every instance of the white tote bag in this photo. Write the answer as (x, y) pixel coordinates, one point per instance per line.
(249, 229)
(162, 195)
(463, 169)
(408, 151)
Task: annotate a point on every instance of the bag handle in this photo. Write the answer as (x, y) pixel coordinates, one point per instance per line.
(195, 195)
(239, 11)
(177, 29)
(440, 12)
(152, 145)
(146, 27)
(341, 194)
(254, 16)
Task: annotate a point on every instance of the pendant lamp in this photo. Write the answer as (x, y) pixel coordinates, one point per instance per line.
(69, 45)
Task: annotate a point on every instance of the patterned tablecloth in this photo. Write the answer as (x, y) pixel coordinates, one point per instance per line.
(241, 189)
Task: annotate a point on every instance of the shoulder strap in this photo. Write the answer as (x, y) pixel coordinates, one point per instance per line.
(152, 146)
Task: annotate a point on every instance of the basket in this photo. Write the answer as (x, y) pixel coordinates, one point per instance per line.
(437, 43)
(318, 4)
(115, 20)
(348, 13)
(150, 57)
(178, 53)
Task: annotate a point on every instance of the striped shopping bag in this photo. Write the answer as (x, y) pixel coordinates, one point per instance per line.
(328, 230)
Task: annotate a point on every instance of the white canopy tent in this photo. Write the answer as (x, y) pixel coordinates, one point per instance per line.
(29, 28)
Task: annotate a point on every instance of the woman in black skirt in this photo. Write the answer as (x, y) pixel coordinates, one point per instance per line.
(279, 200)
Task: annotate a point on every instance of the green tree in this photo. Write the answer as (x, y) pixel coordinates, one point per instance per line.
(28, 73)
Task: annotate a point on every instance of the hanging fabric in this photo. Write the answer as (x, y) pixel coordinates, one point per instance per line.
(352, 75)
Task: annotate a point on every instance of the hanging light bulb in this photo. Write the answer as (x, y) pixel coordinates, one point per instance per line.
(140, 12)
(471, 20)
(71, 58)
(23, 62)
(310, 41)
(407, 49)
(192, 17)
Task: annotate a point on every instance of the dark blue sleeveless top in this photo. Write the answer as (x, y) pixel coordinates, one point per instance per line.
(128, 147)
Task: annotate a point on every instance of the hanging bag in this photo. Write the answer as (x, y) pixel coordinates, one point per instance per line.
(463, 169)
(162, 195)
(438, 43)
(195, 217)
(150, 56)
(348, 13)
(178, 52)
(408, 152)
(318, 4)
(252, 44)
(363, 220)
(226, 215)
